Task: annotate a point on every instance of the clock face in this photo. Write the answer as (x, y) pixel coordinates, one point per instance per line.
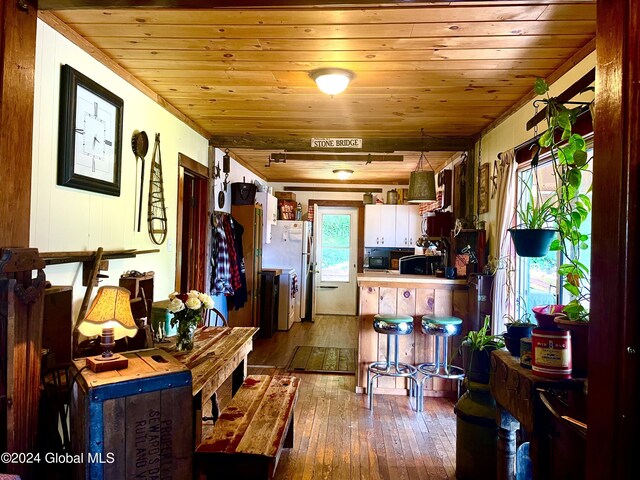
(89, 135)
(95, 133)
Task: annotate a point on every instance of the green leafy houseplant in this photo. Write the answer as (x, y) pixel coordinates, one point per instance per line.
(524, 321)
(532, 237)
(570, 162)
(476, 349)
(518, 328)
(482, 339)
(535, 215)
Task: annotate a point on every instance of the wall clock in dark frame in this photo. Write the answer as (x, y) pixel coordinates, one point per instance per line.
(89, 135)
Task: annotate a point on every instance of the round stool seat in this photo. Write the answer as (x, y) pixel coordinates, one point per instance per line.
(393, 324)
(441, 326)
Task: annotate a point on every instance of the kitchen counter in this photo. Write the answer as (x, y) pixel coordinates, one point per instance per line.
(414, 295)
(388, 277)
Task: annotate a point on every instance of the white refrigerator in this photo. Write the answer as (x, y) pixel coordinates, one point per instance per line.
(291, 247)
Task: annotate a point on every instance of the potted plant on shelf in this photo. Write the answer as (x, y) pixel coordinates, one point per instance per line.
(532, 237)
(570, 163)
(517, 328)
(476, 351)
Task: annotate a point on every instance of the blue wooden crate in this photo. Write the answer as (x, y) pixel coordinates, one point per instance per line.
(133, 423)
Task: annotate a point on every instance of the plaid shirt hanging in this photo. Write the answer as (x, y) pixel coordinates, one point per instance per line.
(222, 281)
(234, 271)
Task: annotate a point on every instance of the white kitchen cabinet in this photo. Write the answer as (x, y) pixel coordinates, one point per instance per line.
(391, 225)
(415, 224)
(379, 225)
(270, 216)
(407, 225)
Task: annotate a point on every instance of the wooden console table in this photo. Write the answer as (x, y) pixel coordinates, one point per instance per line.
(515, 391)
(218, 353)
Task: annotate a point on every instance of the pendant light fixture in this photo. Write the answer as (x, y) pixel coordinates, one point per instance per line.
(332, 81)
(422, 183)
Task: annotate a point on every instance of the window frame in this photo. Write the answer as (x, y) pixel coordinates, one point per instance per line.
(522, 273)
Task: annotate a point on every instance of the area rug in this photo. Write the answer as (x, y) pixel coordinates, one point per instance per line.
(323, 360)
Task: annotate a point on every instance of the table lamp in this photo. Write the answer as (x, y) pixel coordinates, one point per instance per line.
(110, 317)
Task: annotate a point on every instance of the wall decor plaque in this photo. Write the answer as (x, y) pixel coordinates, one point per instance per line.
(483, 188)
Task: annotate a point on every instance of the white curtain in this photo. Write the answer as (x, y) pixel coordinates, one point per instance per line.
(503, 252)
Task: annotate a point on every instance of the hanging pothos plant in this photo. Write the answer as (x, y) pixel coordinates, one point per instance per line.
(573, 206)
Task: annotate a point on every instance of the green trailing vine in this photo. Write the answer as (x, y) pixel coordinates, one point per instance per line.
(571, 207)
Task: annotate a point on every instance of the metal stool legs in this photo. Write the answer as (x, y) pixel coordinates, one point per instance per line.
(439, 370)
(392, 367)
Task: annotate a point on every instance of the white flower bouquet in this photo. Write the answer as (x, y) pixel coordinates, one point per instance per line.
(187, 309)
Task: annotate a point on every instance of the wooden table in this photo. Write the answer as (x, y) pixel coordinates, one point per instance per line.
(515, 391)
(218, 353)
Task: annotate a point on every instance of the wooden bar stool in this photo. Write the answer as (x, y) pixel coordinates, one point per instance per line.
(441, 328)
(393, 326)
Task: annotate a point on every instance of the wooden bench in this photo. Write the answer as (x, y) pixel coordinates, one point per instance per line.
(252, 430)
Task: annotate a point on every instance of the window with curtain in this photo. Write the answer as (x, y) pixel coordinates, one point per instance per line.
(537, 279)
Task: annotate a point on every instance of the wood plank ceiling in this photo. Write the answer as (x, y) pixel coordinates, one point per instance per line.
(243, 74)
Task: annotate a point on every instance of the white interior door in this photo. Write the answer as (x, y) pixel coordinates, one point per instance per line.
(336, 261)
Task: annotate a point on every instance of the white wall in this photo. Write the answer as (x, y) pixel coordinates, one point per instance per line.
(68, 219)
(512, 132)
(238, 173)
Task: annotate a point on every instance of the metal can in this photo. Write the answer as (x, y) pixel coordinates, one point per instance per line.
(525, 352)
(551, 353)
(392, 197)
(367, 198)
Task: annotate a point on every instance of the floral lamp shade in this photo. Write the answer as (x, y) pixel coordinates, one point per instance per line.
(110, 309)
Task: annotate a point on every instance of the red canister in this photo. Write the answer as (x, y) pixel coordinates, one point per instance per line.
(551, 353)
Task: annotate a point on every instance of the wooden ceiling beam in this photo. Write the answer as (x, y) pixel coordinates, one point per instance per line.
(325, 157)
(344, 16)
(312, 188)
(381, 145)
(147, 4)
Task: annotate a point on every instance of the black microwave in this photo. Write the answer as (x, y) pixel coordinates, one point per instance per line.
(381, 263)
(420, 264)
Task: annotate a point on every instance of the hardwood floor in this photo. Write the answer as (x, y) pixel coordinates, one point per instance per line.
(337, 436)
(326, 331)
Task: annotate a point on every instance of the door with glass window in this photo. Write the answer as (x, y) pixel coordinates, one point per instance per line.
(336, 261)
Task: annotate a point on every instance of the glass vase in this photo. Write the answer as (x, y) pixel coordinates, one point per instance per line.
(184, 342)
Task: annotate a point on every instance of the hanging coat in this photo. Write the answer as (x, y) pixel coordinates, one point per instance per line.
(222, 267)
(240, 294)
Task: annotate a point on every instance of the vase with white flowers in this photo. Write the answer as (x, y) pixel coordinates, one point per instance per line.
(187, 310)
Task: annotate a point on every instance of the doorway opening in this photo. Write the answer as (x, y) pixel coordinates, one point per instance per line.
(192, 234)
(336, 260)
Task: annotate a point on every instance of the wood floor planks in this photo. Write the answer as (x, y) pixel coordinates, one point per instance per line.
(336, 436)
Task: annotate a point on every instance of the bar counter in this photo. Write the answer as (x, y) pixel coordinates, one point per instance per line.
(414, 295)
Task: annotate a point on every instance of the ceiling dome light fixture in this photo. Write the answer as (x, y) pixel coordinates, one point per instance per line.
(332, 81)
(343, 173)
